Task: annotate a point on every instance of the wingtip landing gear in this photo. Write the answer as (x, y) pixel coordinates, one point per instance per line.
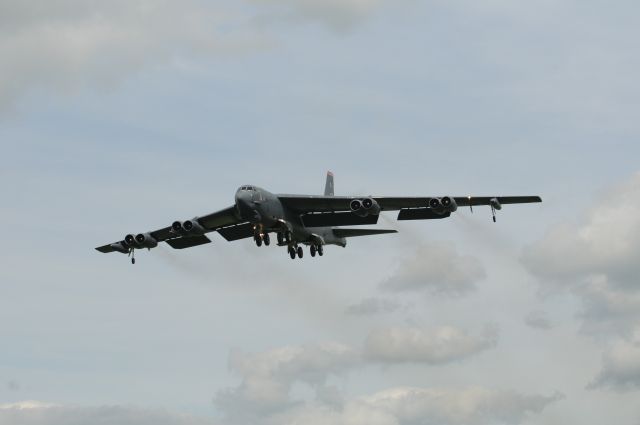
(132, 253)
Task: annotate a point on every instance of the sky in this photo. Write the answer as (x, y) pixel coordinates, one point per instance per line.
(123, 116)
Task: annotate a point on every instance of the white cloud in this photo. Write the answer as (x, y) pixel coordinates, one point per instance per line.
(267, 377)
(38, 413)
(621, 368)
(437, 268)
(597, 260)
(432, 346)
(69, 44)
(607, 242)
(413, 406)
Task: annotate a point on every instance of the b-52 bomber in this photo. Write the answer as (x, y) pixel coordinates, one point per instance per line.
(296, 220)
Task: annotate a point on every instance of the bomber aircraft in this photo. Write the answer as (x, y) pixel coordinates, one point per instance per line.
(312, 220)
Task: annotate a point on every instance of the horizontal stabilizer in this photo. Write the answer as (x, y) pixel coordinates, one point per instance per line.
(234, 233)
(188, 242)
(350, 233)
(420, 214)
(337, 219)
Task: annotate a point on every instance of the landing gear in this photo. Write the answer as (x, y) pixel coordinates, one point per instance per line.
(132, 253)
(266, 239)
(493, 213)
(312, 249)
(292, 253)
(280, 238)
(258, 240)
(320, 250)
(300, 252)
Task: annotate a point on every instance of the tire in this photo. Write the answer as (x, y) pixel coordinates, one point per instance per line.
(320, 250)
(300, 252)
(258, 241)
(292, 253)
(267, 239)
(312, 249)
(280, 238)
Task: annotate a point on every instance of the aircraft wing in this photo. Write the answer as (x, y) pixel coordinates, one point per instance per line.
(180, 240)
(313, 203)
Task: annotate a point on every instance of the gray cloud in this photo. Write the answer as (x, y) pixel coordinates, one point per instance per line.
(267, 377)
(413, 406)
(432, 346)
(538, 319)
(339, 15)
(34, 413)
(372, 306)
(621, 368)
(438, 269)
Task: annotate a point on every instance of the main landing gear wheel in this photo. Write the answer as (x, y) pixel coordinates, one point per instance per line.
(258, 240)
(288, 236)
(133, 261)
(292, 253)
(312, 249)
(320, 250)
(280, 238)
(300, 252)
(266, 239)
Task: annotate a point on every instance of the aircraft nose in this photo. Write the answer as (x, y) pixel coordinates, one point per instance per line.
(244, 204)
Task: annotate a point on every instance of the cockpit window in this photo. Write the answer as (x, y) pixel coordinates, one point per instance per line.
(247, 188)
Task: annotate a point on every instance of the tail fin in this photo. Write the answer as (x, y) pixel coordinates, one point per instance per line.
(328, 187)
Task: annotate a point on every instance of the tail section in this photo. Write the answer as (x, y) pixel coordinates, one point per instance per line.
(328, 187)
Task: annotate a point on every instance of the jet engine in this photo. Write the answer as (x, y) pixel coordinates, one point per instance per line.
(443, 205)
(364, 207)
(145, 240)
(191, 227)
(449, 204)
(371, 206)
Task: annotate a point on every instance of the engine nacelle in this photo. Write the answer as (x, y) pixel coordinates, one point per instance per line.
(443, 205)
(449, 204)
(357, 208)
(371, 206)
(495, 203)
(130, 241)
(364, 207)
(145, 240)
(188, 227)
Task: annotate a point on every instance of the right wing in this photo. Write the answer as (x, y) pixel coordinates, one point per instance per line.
(182, 239)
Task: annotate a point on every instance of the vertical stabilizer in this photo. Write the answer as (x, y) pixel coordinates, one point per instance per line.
(328, 187)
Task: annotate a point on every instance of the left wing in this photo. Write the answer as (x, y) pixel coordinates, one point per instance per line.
(179, 238)
(307, 204)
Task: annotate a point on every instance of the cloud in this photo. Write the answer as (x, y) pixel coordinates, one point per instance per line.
(340, 15)
(70, 44)
(38, 413)
(621, 368)
(413, 406)
(438, 269)
(607, 242)
(597, 260)
(435, 346)
(267, 377)
(538, 319)
(372, 306)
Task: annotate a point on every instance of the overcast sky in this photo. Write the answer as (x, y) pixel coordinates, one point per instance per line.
(123, 116)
